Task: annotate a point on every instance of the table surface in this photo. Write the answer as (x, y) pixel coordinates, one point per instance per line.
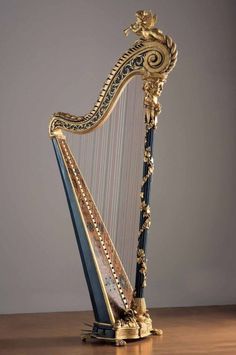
(194, 330)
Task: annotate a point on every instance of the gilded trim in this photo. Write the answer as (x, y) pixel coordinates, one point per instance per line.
(154, 55)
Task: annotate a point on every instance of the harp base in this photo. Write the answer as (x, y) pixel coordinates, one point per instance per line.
(136, 324)
(118, 334)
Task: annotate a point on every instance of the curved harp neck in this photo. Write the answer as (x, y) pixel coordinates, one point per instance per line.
(153, 56)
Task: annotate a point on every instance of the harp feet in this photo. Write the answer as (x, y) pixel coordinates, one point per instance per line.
(116, 342)
(120, 342)
(157, 332)
(84, 338)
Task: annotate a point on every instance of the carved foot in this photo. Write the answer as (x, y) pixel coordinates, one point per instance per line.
(120, 342)
(84, 338)
(157, 332)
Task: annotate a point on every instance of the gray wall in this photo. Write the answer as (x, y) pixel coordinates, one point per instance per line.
(54, 56)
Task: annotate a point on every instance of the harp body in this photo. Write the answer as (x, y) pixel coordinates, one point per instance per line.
(119, 310)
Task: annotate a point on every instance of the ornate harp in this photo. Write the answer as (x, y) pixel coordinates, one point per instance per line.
(119, 310)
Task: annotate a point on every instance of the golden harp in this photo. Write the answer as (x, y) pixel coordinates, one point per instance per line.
(119, 310)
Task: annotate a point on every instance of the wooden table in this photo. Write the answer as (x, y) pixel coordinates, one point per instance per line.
(195, 330)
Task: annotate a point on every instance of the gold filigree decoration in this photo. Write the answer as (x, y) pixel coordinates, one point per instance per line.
(144, 26)
(152, 90)
(128, 320)
(141, 259)
(153, 56)
(146, 211)
(148, 159)
(152, 87)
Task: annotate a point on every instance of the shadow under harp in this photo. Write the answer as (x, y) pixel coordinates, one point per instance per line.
(119, 310)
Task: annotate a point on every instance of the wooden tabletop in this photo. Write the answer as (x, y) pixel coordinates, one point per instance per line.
(195, 330)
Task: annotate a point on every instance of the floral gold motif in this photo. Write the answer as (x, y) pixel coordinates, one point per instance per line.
(141, 259)
(153, 56)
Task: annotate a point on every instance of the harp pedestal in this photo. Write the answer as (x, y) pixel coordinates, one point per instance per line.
(121, 332)
(138, 326)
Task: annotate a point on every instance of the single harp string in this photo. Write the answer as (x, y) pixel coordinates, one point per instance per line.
(110, 159)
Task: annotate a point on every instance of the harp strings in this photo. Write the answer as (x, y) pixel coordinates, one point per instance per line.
(111, 159)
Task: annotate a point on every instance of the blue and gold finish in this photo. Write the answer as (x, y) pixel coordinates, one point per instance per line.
(120, 312)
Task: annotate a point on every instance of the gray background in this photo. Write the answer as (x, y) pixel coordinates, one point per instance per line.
(54, 56)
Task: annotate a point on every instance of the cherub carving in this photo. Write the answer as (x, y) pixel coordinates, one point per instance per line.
(144, 26)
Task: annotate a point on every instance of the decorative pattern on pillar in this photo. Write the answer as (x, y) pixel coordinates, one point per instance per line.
(152, 89)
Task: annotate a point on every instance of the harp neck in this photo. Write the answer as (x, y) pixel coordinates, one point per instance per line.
(152, 58)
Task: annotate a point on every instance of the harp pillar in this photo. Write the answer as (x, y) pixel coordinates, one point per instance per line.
(152, 88)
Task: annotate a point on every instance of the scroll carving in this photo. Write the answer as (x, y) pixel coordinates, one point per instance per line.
(153, 56)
